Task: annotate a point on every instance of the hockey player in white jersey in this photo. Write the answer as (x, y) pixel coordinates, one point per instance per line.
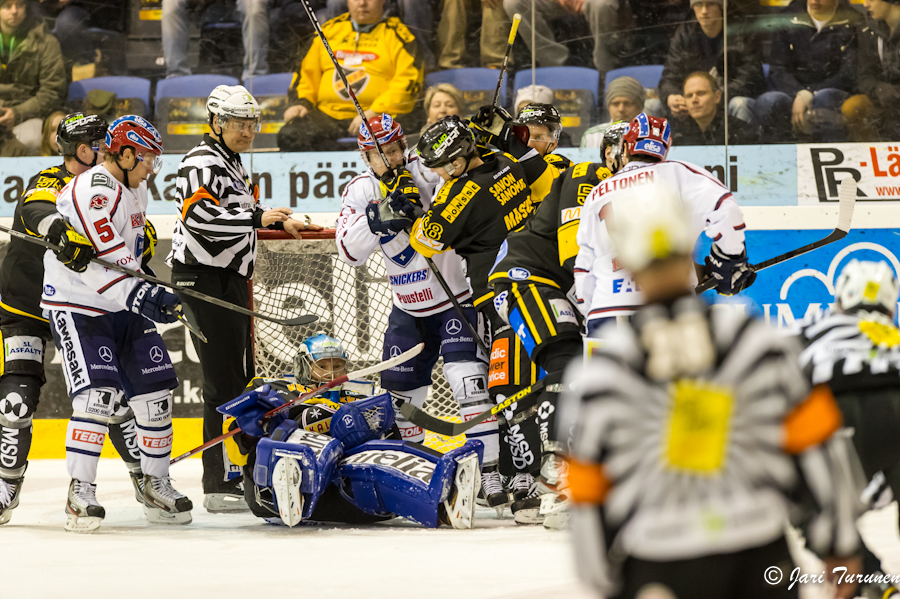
(422, 311)
(101, 323)
(603, 289)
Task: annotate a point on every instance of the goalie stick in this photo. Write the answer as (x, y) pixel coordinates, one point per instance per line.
(845, 217)
(356, 374)
(296, 321)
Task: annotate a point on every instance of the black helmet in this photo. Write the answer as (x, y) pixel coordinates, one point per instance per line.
(79, 128)
(613, 137)
(445, 141)
(535, 113)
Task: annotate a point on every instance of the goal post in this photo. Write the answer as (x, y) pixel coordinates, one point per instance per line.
(306, 276)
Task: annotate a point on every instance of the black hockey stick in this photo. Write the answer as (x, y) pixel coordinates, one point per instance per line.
(526, 399)
(357, 374)
(845, 216)
(509, 44)
(299, 320)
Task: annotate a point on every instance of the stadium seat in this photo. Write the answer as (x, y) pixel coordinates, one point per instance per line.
(648, 75)
(271, 93)
(476, 84)
(180, 113)
(575, 91)
(133, 93)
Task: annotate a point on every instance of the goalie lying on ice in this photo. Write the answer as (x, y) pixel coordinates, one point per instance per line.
(352, 475)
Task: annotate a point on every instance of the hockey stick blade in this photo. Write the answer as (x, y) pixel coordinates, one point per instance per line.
(356, 374)
(420, 417)
(845, 219)
(305, 319)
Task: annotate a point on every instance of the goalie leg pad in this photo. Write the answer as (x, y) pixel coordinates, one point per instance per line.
(406, 479)
(363, 420)
(287, 476)
(316, 456)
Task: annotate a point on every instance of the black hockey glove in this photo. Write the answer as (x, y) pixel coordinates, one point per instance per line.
(76, 251)
(732, 273)
(400, 181)
(154, 302)
(497, 128)
(149, 245)
(384, 222)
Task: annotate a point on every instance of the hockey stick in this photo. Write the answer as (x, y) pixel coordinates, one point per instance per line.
(509, 44)
(845, 216)
(356, 374)
(299, 320)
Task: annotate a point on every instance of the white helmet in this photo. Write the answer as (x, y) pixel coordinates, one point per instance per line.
(232, 102)
(648, 224)
(867, 286)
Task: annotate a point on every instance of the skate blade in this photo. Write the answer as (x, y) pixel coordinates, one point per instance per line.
(528, 516)
(220, 503)
(286, 477)
(83, 524)
(157, 515)
(5, 516)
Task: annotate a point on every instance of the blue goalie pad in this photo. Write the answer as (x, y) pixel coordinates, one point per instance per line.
(363, 420)
(317, 456)
(402, 478)
(248, 409)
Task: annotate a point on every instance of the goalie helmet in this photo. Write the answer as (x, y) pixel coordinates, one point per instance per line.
(612, 137)
(870, 286)
(386, 131)
(232, 102)
(321, 359)
(445, 141)
(648, 136)
(535, 113)
(79, 128)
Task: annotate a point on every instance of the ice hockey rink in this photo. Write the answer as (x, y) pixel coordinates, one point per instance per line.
(238, 555)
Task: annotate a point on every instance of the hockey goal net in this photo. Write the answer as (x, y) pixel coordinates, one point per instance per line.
(305, 276)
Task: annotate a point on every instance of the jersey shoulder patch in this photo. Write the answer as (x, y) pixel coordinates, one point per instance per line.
(101, 180)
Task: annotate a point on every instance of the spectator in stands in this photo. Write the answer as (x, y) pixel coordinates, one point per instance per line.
(813, 61)
(698, 45)
(613, 25)
(874, 114)
(73, 20)
(532, 93)
(380, 58)
(177, 15)
(32, 79)
(442, 100)
(625, 98)
(48, 134)
(456, 16)
(705, 123)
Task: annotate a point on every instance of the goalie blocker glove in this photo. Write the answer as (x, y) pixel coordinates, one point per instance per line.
(154, 302)
(76, 250)
(732, 273)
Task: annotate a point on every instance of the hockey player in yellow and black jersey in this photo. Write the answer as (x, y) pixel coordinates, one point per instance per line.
(544, 128)
(24, 331)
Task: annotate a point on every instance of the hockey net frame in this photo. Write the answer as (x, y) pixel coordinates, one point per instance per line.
(306, 276)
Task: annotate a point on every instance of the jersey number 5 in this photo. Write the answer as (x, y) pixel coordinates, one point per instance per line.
(104, 230)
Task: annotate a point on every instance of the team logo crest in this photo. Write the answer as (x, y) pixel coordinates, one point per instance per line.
(357, 78)
(99, 202)
(518, 274)
(105, 354)
(156, 354)
(454, 327)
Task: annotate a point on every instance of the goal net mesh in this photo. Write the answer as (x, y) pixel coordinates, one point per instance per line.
(294, 277)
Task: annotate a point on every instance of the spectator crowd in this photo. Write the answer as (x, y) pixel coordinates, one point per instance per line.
(813, 71)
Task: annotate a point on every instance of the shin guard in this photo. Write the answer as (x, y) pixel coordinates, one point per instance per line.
(153, 413)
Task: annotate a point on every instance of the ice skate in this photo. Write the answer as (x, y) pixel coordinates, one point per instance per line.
(527, 505)
(137, 480)
(492, 489)
(286, 479)
(83, 513)
(9, 497)
(165, 505)
(459, 508)
(225, 502)
(522, 486)
(554, 470)
(555, 509)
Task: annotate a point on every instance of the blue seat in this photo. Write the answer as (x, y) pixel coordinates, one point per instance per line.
(560, 78)
(648, 75)
(180, 113)
(191, 86)
(134, 89)
(477, 85)
(276, 84)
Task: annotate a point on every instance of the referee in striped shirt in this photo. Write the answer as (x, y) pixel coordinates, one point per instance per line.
(213, 251)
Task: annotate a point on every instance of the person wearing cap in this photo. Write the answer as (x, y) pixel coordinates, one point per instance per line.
(698, 46)
(874, 113)
(533, 93)
(32, 78)
(625, 98)
(213, 252)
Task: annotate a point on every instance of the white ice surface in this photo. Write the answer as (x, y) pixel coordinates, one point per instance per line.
(237, 556)
(241, 557)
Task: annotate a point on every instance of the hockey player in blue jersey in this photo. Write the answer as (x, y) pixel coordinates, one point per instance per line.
(338, 458)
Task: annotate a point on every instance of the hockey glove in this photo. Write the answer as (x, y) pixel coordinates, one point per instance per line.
(248, 409)
(732, 273)
(76, 251)
(149, 244)
(154, 302)
(400, 182)
(384, 222)
(498, 129)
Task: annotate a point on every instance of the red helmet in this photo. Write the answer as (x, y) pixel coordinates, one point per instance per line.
(384, 128)
(137, 133)
(648, 135)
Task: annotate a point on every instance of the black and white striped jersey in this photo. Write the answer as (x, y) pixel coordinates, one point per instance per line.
(696, 433)
(852, 352)
(218, 209)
